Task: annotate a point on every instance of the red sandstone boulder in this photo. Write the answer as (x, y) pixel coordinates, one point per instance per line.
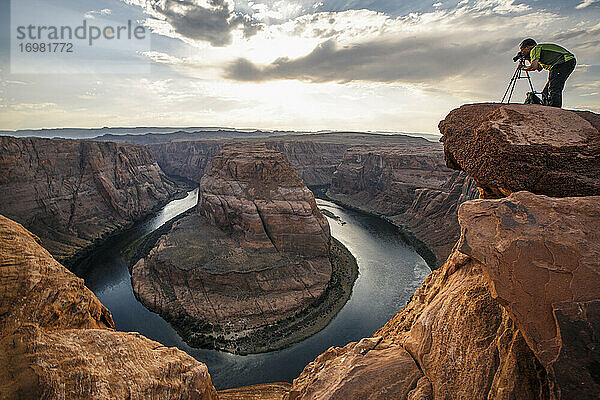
(508, 148)
(58, 341)
(542, 256)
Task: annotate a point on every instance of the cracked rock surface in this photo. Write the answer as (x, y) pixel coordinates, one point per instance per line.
(541, 255)
(508, 148)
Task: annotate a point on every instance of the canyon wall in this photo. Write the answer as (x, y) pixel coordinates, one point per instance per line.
(411, 187)
(315, 157)
(514, 313)
(399, 177)
(58, 341)
(314, 161)
(186, 159)
(72, 193)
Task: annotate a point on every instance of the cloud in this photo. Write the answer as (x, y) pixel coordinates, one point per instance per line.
(91, 14)
(211, 21)
(162, 58)
(32, 106)
(585, 3)
(423, 49)
(413, 59)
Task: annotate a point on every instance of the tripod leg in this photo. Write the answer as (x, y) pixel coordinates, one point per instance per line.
(512, 83)
(530, 84)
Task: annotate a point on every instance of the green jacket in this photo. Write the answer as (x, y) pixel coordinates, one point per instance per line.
(549, 55)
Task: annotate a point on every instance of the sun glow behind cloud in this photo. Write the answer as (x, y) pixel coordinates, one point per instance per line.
(297, 65)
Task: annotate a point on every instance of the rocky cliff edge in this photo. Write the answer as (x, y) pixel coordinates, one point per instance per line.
(514, 313)
(508, 148)
(58, 341)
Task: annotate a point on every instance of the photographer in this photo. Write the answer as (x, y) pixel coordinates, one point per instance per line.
(556, 59)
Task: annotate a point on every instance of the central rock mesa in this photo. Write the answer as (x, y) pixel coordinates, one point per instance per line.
(254, 268)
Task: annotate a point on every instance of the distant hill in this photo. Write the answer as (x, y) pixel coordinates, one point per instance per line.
(155, 134)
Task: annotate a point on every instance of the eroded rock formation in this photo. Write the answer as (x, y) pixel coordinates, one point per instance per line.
(58, 341)
(507, 148)
(72, 193)
(514, 313)
(256, 253)
(253, 191)
(541, 256)
(411, 187)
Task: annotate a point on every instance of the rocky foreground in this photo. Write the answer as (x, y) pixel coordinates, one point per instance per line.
(74, 193)
(253, 268)
(58, 341)
(514, 313)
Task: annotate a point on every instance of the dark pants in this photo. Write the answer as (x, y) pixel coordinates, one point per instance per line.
(552, 93)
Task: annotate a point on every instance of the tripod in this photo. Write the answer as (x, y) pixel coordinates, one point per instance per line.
(516, 76)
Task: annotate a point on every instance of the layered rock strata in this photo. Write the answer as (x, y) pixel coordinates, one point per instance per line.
(512, 314)
(315, 157)
(58, 341)
(267, 391)
(255, 192)
(411, 187)
(507, 148)
(249, 270)
(432, 217)
(385, 180)
(72, 193)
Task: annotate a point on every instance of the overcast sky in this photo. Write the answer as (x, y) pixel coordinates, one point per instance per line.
(305, 65)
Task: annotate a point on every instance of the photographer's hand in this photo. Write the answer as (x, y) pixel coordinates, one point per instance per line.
(535, 66)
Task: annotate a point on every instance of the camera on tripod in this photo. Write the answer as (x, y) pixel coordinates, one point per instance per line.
(521, 73)
(520, 56)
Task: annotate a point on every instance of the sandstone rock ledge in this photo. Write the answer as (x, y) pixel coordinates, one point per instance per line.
(58, 341)
(254, 269)
(507, 148)
(513, 314)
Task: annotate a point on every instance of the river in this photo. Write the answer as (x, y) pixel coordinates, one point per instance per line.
(389, 273)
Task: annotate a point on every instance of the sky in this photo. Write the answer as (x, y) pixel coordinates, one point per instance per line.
(368, 65)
